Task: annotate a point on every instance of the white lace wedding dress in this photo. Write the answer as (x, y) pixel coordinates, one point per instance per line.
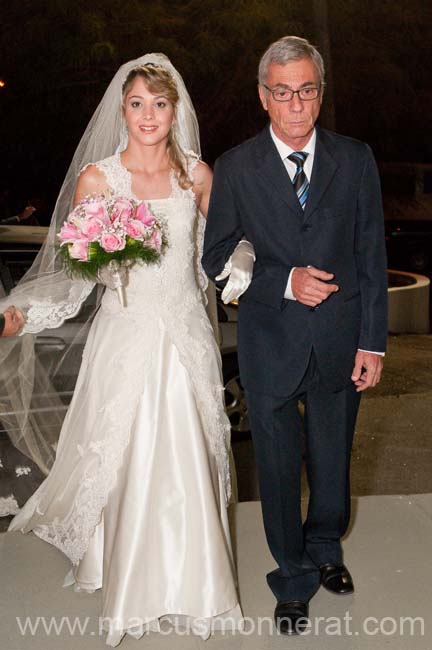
(137, 495)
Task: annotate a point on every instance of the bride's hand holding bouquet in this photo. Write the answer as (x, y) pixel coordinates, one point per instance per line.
(104, 235)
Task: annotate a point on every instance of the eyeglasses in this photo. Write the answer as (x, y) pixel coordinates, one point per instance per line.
(285, 94)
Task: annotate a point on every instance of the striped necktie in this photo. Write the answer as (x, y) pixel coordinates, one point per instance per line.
(300, 181)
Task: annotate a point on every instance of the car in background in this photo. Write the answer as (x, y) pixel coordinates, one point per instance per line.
(235, 400)
(407, 198)
(409, 244)
(19, 246)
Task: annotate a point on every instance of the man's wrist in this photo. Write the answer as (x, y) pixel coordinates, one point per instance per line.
(288, 295)
(380, 354)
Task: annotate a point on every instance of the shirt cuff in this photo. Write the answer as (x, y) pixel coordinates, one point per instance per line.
(288, 295)
(380, 354)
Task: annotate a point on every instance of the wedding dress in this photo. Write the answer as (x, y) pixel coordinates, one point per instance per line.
(137, 495)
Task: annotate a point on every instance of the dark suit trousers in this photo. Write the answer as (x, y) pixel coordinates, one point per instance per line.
(299, 549)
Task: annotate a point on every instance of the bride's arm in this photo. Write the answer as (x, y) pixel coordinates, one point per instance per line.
(202, 182)
(202, 177)
(91, 181)
(60, 298)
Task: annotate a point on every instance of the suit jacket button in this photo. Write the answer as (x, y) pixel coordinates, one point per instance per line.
(306, 227)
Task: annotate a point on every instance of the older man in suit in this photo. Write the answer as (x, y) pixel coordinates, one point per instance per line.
(295, 223)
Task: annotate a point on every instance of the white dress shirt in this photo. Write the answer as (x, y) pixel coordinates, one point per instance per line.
(284, 151)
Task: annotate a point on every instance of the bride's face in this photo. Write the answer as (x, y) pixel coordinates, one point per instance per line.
(148, 117)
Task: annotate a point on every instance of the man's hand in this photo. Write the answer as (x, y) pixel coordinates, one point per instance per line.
(309, 285)
(239, 268)
(367, 370)
(14, 320)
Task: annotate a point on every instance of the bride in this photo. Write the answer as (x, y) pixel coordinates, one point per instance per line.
(136, 497)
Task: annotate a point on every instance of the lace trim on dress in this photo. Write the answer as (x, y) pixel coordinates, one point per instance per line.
(200, 224)
(8, 506)
(209, 396)
(117, 176)
(72, 535)
(48, 315)
(120, 178)
(184, 317)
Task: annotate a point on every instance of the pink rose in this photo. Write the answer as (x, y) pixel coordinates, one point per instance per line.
(155, 241)
(79, 250)
(135, 229)
(68, 233)
(122, 210)
(97, 210)
(92, 228)
(111, 242)
(144, 215)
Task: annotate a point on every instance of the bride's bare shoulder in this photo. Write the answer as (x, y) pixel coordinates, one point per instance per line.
(201, 174)
(90, 181)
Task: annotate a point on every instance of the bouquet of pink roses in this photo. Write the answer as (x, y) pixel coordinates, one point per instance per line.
(112, 232)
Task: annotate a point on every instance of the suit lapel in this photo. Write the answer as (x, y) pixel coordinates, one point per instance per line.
(324, 168)
(270, 167)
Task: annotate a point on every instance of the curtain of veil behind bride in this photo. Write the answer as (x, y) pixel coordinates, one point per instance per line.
(137, 495)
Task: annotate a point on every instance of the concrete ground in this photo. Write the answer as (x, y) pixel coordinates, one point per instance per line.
(392, 452)
(388, 550)
(387, 547)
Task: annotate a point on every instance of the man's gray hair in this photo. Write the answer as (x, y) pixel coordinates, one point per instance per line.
(290, 48)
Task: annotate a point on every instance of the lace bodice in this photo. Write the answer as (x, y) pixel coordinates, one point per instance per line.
(119, 178)
(173, 281)
(165, 296)
(173, 293)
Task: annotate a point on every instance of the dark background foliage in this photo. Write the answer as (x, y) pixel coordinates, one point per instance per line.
(57, 57)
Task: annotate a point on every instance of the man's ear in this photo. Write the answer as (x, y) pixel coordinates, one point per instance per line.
(263, 96)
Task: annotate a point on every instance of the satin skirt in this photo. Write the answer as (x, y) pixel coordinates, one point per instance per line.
(162, 550)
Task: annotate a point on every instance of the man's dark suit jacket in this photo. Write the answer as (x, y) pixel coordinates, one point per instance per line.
(341, 231)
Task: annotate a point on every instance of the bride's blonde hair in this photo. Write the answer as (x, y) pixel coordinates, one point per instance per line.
(158, 80)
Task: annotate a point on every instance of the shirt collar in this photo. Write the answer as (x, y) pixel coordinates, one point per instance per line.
(285, 150)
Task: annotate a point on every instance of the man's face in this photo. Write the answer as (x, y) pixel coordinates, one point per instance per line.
(293, 121)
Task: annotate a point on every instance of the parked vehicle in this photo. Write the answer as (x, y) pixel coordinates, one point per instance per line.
(407, 193)
(235, 401)
(409, 245)
(19, 246)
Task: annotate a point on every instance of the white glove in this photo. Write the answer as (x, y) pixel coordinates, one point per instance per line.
(113, 275)
(240, 269)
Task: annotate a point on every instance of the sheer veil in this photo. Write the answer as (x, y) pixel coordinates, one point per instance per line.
(36, 367)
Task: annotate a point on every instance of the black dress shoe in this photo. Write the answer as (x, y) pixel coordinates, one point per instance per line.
(337, 579)
(292, 617)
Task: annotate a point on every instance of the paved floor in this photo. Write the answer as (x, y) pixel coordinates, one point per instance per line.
(387, 548)
(392, 452)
